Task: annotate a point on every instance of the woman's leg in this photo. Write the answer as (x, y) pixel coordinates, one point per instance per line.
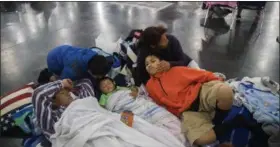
(239, 12)
(238, 16)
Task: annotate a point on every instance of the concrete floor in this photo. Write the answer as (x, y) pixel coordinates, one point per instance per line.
(27, 35)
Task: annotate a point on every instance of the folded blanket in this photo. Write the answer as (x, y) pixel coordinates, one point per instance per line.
(143, 107)
(84, 123)
(260, 96)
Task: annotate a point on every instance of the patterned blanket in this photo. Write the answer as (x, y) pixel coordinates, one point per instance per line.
(143, 107)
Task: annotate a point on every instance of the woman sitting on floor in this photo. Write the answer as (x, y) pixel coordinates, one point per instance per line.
(155, 40)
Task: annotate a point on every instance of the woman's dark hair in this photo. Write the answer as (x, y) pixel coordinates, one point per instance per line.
(44, 76)
(98, 65)
(152, 35)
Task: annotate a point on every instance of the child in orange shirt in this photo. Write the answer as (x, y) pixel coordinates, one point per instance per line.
(197, 96)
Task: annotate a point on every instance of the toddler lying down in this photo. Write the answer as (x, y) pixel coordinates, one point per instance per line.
(119, 99)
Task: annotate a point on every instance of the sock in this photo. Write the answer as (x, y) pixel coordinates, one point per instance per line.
(220, 115)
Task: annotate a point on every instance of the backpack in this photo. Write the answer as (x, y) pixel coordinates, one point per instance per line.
(129, 51)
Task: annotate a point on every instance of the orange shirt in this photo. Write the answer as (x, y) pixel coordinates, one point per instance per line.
(177, 88)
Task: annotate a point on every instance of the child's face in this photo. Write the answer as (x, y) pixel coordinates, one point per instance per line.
(107, 86)
(152, 64)
(63, 98)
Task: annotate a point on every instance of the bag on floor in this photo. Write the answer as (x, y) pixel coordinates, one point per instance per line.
(128, 50)
(128, 54)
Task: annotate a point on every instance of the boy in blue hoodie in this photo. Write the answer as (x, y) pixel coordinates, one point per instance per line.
(76, 63)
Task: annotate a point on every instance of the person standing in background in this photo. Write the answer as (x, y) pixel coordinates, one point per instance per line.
(243, 4)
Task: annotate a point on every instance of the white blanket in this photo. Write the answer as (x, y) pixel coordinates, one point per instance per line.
(85, 124)
(143, 107)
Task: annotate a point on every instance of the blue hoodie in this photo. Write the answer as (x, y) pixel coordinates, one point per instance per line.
(69, 61)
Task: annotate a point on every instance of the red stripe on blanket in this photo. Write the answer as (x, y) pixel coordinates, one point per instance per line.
(20, 97)
(26, 86)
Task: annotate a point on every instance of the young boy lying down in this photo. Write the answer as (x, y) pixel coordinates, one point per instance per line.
(119, 99)
(51, 99)
(197, 96)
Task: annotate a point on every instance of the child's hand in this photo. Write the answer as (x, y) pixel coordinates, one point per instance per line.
(67, 83)
(134, 92)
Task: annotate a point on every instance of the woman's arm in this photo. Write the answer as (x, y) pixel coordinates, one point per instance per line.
(182, 58)
(193, 64)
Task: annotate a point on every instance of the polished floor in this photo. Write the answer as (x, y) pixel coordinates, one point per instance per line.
(30, 32)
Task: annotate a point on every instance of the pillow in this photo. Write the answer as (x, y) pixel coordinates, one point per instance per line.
(11, 104)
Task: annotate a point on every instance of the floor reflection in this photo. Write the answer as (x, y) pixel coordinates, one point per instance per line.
(37, 27)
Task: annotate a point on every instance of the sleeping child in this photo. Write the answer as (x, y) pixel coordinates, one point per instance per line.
(119, 99)
(51, 99)
(198, 97)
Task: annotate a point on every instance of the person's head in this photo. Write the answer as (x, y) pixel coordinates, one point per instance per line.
(98, 66)
(106, 85)
(152, 63)
(63, 98)
(155, 37)
(46, 76)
